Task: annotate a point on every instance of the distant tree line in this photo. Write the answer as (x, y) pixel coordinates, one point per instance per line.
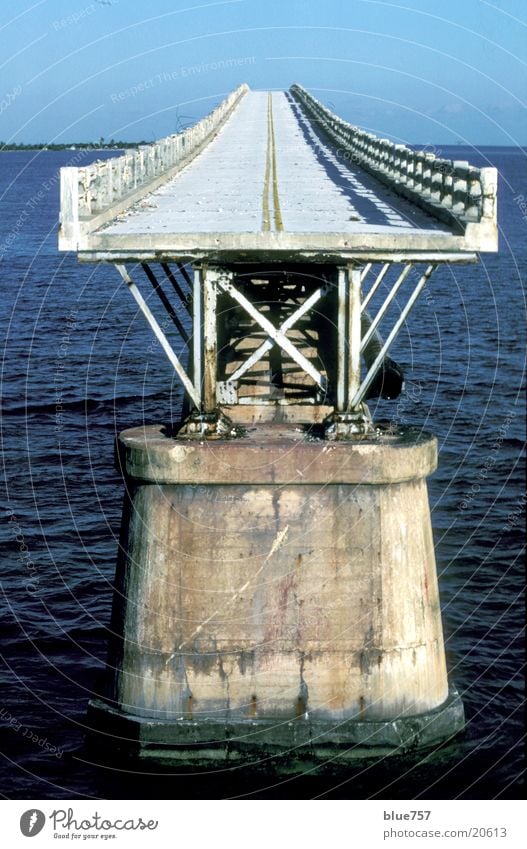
(100, 145)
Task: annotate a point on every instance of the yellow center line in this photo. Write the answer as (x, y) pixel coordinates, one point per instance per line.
(271, 172)
(266, 218)
(276, 200)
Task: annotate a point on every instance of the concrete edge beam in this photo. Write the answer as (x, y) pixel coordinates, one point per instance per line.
(275, 455)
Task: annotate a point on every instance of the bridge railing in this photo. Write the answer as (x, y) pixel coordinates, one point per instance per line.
(452, 191)
(92, 195)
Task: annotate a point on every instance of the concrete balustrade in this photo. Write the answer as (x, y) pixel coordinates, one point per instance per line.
(446, 188)
(104, 183)
(98, 192)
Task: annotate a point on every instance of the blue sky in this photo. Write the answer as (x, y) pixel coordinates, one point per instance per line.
(412, 70)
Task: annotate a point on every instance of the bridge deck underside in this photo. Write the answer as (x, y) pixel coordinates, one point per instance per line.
(269, 181)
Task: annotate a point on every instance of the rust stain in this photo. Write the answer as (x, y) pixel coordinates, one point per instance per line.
(253, 707)
(362, 706)
(204, 662)
(303, 695)
(279, 623)
(426, 588)
(188, 707)
(300, 706)
(287, 585)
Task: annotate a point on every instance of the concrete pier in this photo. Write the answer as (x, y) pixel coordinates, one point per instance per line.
(277, 597)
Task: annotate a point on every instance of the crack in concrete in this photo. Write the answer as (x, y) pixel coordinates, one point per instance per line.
(277, 543)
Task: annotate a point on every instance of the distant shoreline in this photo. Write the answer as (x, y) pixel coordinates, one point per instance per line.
(84, 146)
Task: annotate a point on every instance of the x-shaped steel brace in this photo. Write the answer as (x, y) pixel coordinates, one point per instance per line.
(277, 334)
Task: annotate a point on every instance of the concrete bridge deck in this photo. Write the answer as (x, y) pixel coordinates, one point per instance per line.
(232, 188)
(276, 175)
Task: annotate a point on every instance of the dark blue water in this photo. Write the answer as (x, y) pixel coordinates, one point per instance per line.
(79, 366)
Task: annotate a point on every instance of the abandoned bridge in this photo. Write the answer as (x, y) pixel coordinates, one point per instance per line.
(276, 592)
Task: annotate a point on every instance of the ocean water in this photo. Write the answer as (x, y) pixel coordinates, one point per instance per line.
(79, 365)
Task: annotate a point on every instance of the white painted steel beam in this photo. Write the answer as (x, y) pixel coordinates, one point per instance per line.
(160, 336)
(377, 363)
(210, 280)
(378, 280)
(342, 295)
(354, 332)
(383, 308)
(197, 341)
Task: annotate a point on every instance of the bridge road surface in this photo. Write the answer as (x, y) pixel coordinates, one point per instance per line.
(267, 169)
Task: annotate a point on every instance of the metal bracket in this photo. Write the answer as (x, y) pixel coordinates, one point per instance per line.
(349, 425)
(226, 392)
(214, 425)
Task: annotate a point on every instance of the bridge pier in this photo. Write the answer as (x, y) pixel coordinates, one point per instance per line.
(276, 599)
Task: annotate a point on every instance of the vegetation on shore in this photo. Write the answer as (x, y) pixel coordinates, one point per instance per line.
(100, 145)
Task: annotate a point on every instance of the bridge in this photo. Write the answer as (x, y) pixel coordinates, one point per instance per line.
(275, 180)
(276, 589)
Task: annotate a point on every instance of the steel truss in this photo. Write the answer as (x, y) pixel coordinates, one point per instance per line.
(281, 337)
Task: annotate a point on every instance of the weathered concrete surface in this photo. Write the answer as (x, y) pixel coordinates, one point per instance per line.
(276, 454)
(283, 747)
(273, 578)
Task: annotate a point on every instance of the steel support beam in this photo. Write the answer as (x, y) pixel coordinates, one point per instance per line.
(197, 335)
(354, 333)
(389, 298)
(166, 303)
(367, 298)
(377, 363)
(210, 279)
(175, 285)
(160, 336)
